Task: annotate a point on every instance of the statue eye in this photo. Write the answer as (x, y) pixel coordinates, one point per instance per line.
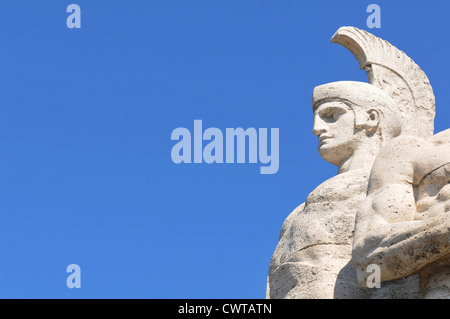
(331, 114)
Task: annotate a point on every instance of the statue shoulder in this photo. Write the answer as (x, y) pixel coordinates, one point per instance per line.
(440, 138)
(434, 157)
(396, 161)
(288, 221)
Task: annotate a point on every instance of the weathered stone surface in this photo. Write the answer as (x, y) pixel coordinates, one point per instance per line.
(317, 255)
(403, 225)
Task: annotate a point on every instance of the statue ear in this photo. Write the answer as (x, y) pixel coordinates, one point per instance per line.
(373, 120)
(368, 120)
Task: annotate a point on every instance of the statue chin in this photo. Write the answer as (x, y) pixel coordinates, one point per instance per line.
(330, 154)
(328, 157)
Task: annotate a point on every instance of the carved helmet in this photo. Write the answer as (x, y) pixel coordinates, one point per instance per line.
(362, 97)
(395, 82)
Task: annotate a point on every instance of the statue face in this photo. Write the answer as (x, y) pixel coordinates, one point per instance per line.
(334, 125)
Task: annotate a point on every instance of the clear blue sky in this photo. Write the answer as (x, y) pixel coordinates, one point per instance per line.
(86, 175)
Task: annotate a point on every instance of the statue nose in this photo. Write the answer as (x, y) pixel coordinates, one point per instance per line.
(319, 126)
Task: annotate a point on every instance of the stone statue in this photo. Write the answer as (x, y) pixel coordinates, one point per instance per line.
(403, 225)
(353, 122)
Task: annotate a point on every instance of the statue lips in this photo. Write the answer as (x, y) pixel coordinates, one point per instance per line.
(322, 138)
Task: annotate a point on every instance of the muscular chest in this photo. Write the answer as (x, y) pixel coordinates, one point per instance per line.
(329, 211)
(341, 192)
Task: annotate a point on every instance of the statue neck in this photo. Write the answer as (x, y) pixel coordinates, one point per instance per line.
(362, 158)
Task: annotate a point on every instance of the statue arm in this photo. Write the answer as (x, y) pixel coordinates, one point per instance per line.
(389, 237)
(386, 232)
(279, 253)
